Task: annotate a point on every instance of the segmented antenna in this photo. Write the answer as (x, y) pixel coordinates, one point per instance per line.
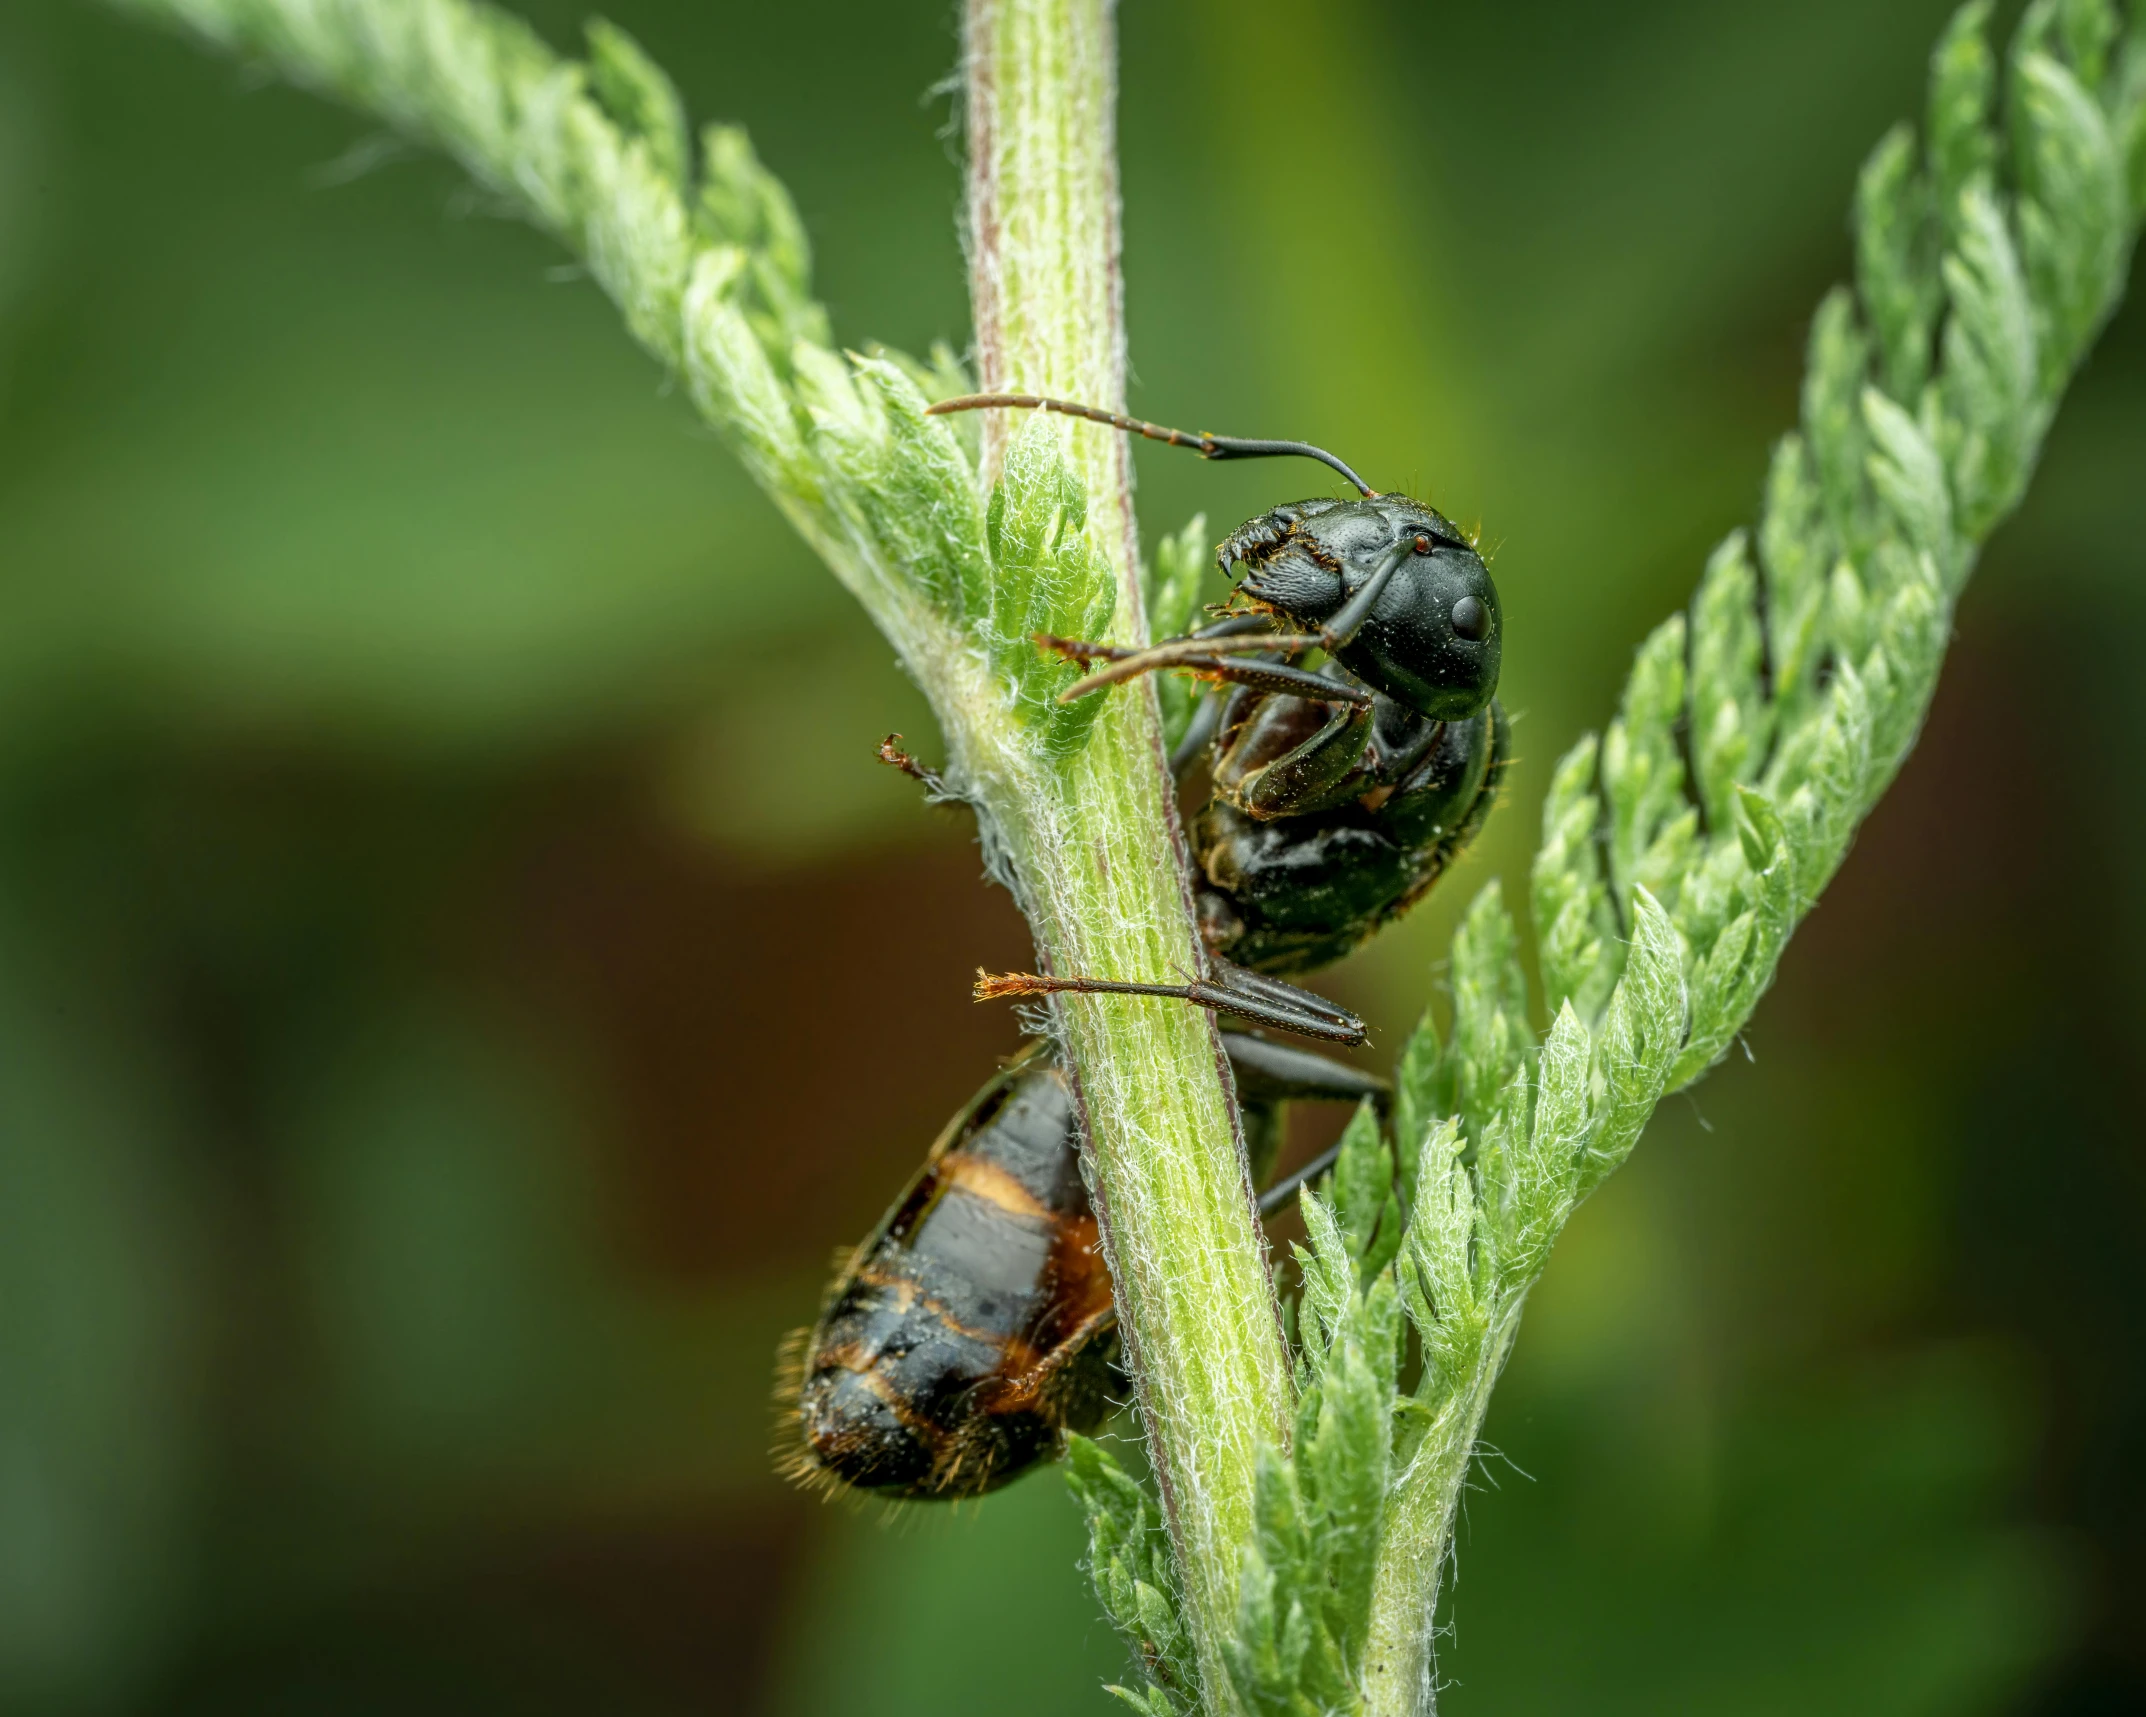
(1206, 446)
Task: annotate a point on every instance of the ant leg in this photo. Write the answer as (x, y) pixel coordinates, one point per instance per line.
(1264, 1001)
(1207, 651)
(1261, 676)
(1163, 651)
(1204, 652)
(1270, 1072)
(1199, 735)
(1276, 1198)
(934, 784)
(1305, 1005)
(1211, 660)
(1233, 626)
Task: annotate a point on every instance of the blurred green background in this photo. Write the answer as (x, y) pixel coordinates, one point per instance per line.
(461, 971)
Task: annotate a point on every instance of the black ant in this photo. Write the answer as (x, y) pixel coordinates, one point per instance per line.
(1393, 726)
(975, 1326)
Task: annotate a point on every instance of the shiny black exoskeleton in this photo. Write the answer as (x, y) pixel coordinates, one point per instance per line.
(970, 1329)
(975, 1326)
(1329, 818)
(1340, 793)
(1430, 635)
(1287, 894)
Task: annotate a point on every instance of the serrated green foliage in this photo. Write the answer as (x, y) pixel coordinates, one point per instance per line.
(1642, 1033)
(1129, 1562)
(1525, 1162)
(1835, 366)
(1754, 734)
(1134, 1576)
(743, 205)
(904, 484)
(640, 98)
(710, 265)
(2086, 30)
(1048, 579)
(1731, 717)
(1491, 1042)
(1329, 1281)
(1963, 89)
(2128, 108)
(1652, 823)
(1366, 1202)
(1173, 585)
(1305, 1587)
(1173, 600)
(1725, 983)
(1678, 852)
(1416, 1098)
(2074, 204)
(1991, 364)
(1796, 552)
(1578, 947)
(1440, 1282)
(1150, 1700)
(1896, 232)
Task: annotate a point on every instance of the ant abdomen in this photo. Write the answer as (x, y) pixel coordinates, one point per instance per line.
(968, 1332)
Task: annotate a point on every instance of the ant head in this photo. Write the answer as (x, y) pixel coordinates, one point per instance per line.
(1434, 635)
(1435, 638)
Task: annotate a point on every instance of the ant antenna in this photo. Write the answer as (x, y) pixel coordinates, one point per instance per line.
(1207, 446)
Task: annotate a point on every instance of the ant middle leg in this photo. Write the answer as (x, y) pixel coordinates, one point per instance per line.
(1271, 1075)
(1199, 735)
(1272, 1072)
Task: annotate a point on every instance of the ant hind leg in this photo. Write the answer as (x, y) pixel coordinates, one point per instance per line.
(1231, 990)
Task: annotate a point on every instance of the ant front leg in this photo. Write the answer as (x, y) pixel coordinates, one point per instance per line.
(1230, 990)
(1212, 653)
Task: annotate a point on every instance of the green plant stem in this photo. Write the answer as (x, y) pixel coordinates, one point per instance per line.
(707, 261)
(1094, 844)
(1397, 1665)
(1800, 676)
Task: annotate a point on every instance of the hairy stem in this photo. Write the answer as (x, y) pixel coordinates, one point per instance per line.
(1095, 844)
(703, 252)
(1397, 1665)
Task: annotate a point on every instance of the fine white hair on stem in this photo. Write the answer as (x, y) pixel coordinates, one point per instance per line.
(1290, 1558)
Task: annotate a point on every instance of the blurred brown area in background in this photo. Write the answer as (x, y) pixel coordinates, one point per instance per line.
(462, 972)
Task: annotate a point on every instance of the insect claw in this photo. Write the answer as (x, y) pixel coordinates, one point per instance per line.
(995, 986)
(891, 753)
(1077, 650)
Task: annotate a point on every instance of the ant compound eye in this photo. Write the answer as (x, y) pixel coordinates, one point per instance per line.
(1471, 620)
(1423, 545)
